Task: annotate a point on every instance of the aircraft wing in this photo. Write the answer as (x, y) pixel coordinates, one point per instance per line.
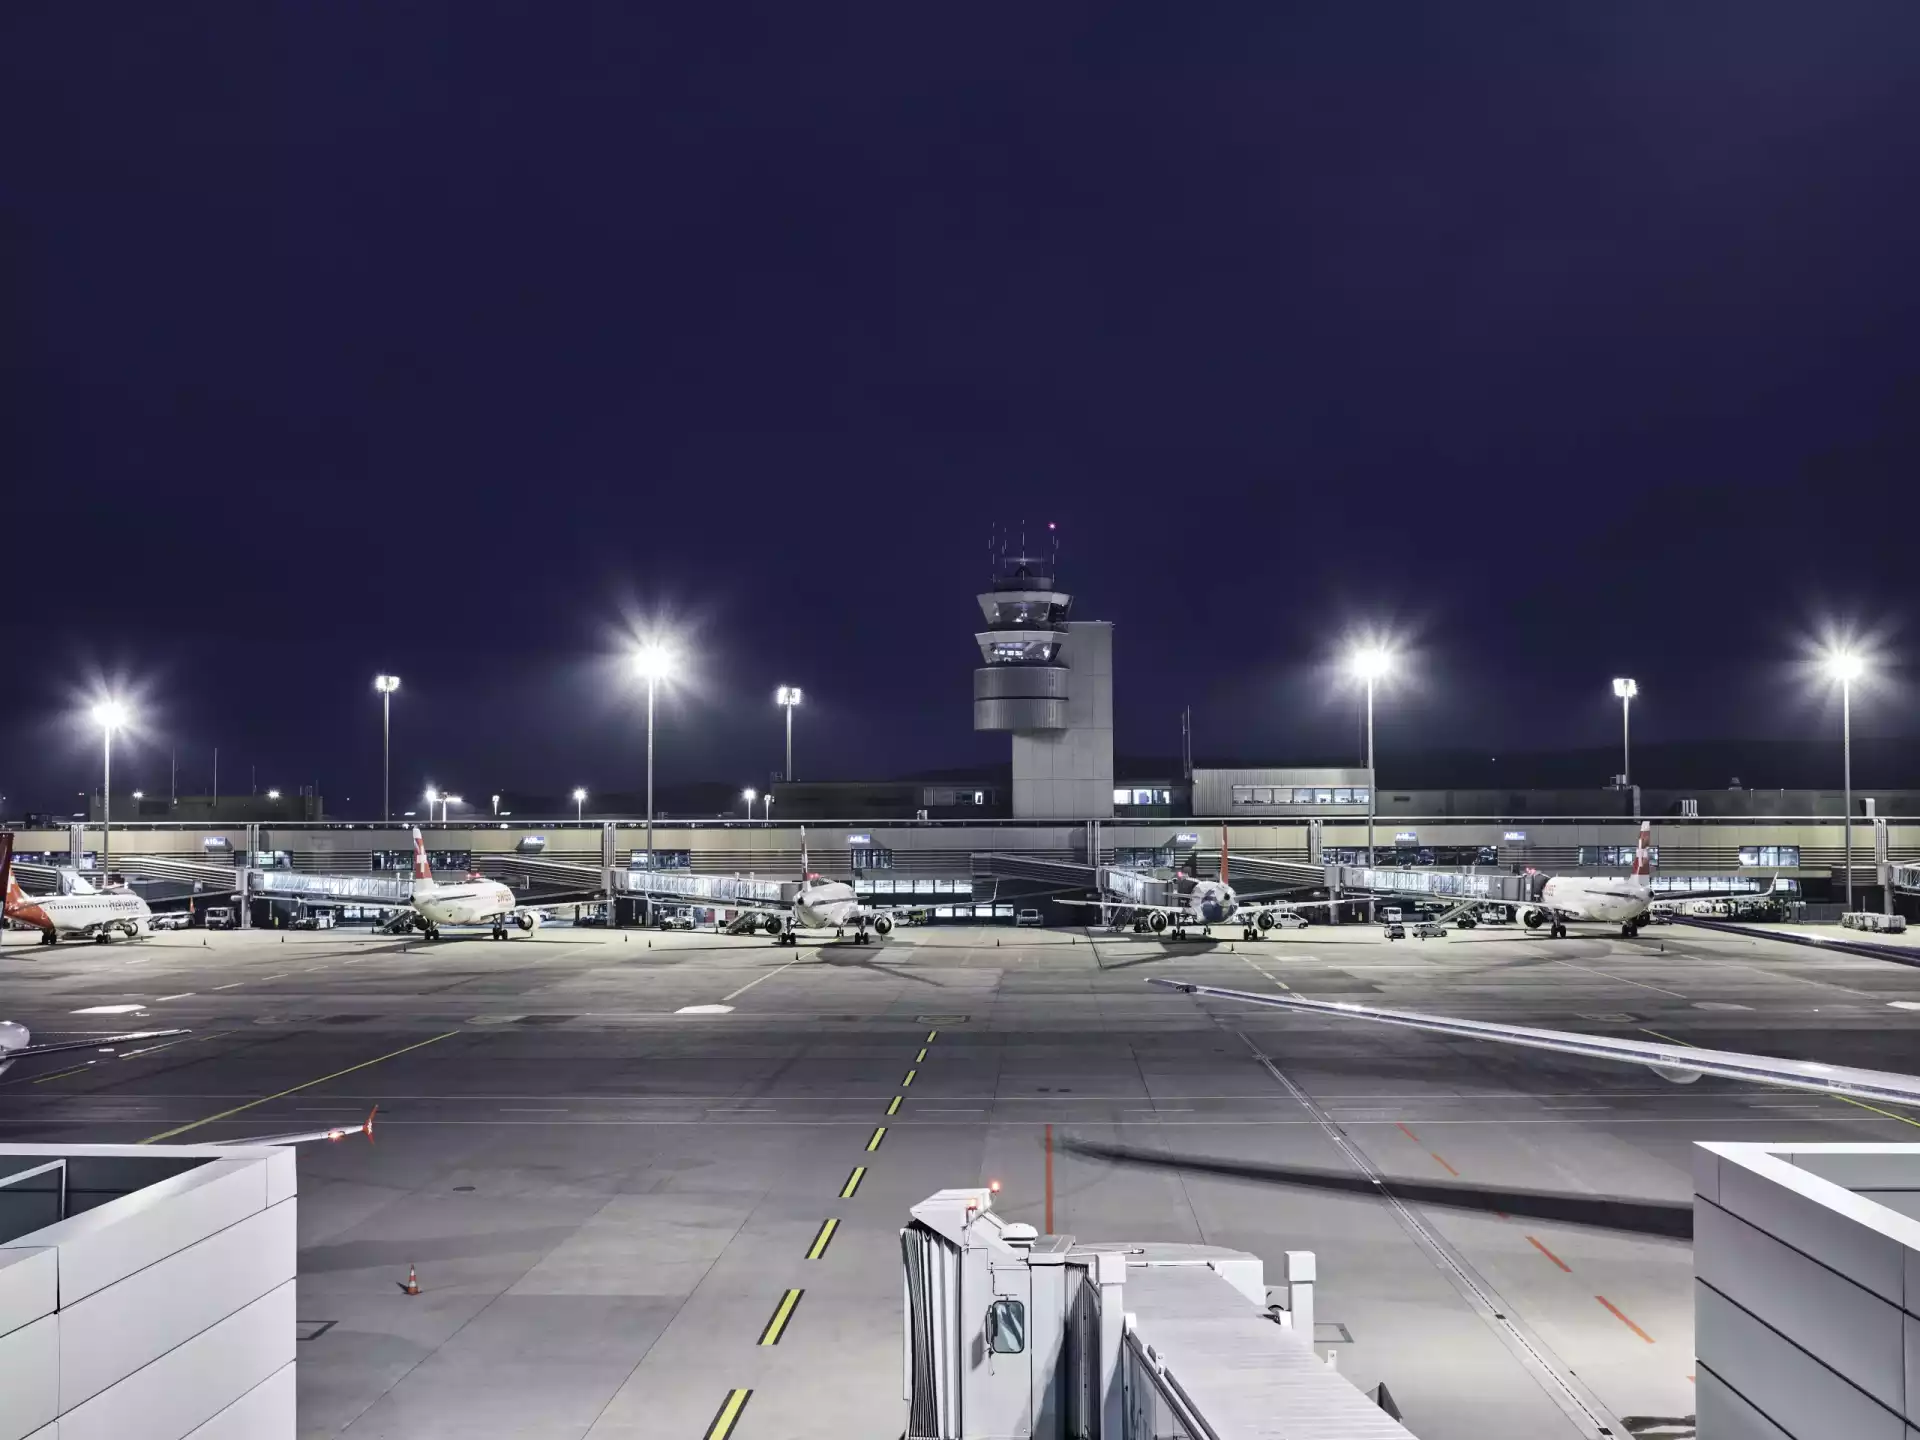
(1679, 1063)
(26, 1052)
(302, 1137)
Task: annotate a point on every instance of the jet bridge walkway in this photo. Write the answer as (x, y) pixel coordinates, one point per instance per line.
(1008, 1332)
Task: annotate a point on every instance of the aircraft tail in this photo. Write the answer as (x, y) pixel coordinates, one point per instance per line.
(805, 868)
(1223, 854)
(1643, 852)
(7, 880)
(422, 871)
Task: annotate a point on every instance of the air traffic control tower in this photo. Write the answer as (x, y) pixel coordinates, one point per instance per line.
(1048, 681)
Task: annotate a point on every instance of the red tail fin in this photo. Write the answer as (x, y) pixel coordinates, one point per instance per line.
(421, 870)
(1223, 854)
(8, 885)
(1643, 852)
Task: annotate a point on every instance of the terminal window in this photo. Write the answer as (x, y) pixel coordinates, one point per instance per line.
(1779, 856)
(1299, 795)
(662, 860)
(1614, 855)
(872, 858)
(436, 859)
(1142, 857)
(1143, 796)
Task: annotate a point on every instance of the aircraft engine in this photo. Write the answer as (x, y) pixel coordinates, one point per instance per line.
(1265, 920)
(527, 920)
(1156, 921)
(1533, 919)
(1679, 1075)
(772, 924)
(882, 924)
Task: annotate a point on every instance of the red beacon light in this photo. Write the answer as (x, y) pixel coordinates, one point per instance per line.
(993, 1186)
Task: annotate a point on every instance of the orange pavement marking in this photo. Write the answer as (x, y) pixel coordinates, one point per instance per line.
(1550, 1255)
(1408, 1133)
(1450, 1170)
(1621, 1317)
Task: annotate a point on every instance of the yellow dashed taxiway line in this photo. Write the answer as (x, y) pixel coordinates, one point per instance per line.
(909, 1080)
(824, 1238)
(295, 1089)
(879, 1134)
(782, 1313)
(853, 1182)
(894, 1108)
(729, 1414)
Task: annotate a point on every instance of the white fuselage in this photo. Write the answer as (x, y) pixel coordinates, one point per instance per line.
(825, 905)
(1608, 899)
(472, 902)
(1211, 902)
(110, 912)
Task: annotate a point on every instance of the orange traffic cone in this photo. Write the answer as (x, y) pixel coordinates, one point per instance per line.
(412, 1287)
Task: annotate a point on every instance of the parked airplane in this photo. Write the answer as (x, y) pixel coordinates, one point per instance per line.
(1623, 900)
(86, 914)
(1207, 903)
(16, 1042)
(818, 904)
(1682, 1064)
(474, 901)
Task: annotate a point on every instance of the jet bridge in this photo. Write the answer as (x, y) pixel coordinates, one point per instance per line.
(1008, 1333)
(1493, 886)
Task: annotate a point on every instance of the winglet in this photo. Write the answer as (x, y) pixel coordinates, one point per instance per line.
(367, 1128)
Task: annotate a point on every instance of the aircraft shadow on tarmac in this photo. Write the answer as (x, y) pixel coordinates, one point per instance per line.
(1661, 1219)
(846, 954)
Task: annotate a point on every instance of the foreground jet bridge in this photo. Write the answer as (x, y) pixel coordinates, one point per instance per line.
(705, 889)
(1009, 1332)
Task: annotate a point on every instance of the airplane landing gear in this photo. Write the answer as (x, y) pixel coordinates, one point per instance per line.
(47, 937)
(432, 931)
(1629, 930)
(100, 937)
(499, 932)
(1249, 933)
(1558, 931)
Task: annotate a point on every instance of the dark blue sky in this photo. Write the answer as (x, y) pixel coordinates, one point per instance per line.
(1570, 340)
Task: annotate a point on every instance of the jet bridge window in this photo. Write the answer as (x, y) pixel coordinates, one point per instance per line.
(872, 857)
(1142, 857)
(1774, 856)
(1007, 1327)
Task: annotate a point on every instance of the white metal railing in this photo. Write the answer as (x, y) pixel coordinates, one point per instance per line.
(1157, 1407)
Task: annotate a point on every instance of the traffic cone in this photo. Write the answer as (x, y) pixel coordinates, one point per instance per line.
(412, 1286)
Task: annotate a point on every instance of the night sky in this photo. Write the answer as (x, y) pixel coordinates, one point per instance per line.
(1562, 340)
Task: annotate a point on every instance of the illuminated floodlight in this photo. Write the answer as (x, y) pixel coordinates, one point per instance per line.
(1843, 665)
(749, 795)
(111, 714)
(788, 695)
(654, 660)
(273, 794)
(432, 795)
(1370, 661)
(579, 794)
(386, 684)
(1625, 689)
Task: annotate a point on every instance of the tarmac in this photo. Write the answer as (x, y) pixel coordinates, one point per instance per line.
(613, 1156)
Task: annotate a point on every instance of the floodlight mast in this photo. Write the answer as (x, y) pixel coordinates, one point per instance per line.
(386, 685)
(1371, 662)
(1625, 689)
(109, 715)
(1843, 665)
(787, 697)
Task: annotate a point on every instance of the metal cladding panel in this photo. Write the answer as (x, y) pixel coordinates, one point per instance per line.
(29, 1378)
(190, 1385)
(108, 1244)
(29, 1286)
(1020, 682)
(113, 1332)
(1781, 1381)
(265, 1412)
(1019, 714)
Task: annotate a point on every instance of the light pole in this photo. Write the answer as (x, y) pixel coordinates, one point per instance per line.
(1370, 662)
(109, 715)
(654, 661)
(749, 796)
(579, 805)
(386, 685)
(787, 697)
(1846, 667)
(496, 807)
(1626, 690)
